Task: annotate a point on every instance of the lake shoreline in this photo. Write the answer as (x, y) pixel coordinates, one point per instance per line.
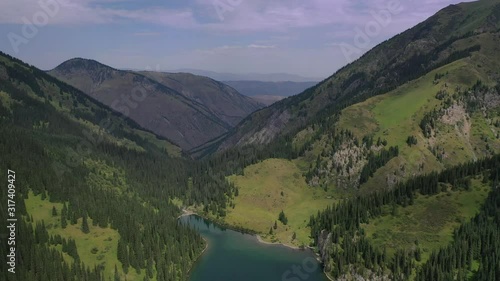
(186, 212)
(199, 256)
(258, 238)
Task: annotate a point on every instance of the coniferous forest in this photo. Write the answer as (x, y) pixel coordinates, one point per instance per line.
(39, 129)
(355, 167)
(476, 242)
(41, 139)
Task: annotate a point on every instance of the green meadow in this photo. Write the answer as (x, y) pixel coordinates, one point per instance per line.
(431, 220)
(265, 190)
(97, 248)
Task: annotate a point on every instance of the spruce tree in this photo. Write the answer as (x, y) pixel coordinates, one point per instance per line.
(117, 275)
(85, 225)
(282, 218)
(64, 214)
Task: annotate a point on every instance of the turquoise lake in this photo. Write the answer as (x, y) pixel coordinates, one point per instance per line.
(236, 256)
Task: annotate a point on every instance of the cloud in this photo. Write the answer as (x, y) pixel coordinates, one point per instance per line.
(255, 46)
(91, 12)
(147, 33)
(254, 35)
(218, 15)
(235, 49)
(286, 15)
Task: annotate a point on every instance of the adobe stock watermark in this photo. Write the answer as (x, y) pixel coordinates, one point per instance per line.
(47, 9)
(224, 6)
(363, 38)
(124, 105)
(300, 272)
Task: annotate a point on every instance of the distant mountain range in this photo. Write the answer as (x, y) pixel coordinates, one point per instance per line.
(264, 77)
(269, 92)
(187, 109)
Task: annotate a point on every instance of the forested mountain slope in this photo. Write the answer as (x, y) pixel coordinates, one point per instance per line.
(383, 142)
(96, 197)
(189, 110)
(453, 33)
(429, 228)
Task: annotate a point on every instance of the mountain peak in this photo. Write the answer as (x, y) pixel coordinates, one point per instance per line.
(81, 63)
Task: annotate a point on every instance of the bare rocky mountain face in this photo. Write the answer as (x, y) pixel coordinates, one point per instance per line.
(187, 109)
(218, 98)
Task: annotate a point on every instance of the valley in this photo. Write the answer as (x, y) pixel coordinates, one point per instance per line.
(388, 169)
(189, 110)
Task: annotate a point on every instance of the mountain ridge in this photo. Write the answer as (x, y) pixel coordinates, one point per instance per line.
(155, 106)
(269, 92)
(218, 98)
(264, 77)
(89, 183)
(430, 41)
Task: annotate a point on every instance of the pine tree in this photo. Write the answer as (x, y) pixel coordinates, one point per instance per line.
(149, 268)
(117, 275)
(418, 254)
(54, 211)
(64, 214)
(282, 218)
(85, 225)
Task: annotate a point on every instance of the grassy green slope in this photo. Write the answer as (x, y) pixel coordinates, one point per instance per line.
(430, 220)
(97, 248)
(397, 115)
(403, 58)
(265, 190)
(392, 116)
(72, 149)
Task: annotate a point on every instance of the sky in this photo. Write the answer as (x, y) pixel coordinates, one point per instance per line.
(311, 38)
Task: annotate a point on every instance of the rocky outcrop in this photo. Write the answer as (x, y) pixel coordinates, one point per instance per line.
(324, 245)
(269, 128)
(366, 275)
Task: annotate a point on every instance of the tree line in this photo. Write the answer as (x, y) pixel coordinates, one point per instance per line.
(476, 241)
(38, 139)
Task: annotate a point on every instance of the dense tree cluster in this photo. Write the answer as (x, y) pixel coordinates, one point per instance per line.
(375, 161)
(477, 241)
(46, 126)
(411, 140)
(42, 143)
(282, 218)
(349, 246)
(429, 122)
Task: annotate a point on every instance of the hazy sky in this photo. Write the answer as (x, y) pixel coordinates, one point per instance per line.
(312, 38)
